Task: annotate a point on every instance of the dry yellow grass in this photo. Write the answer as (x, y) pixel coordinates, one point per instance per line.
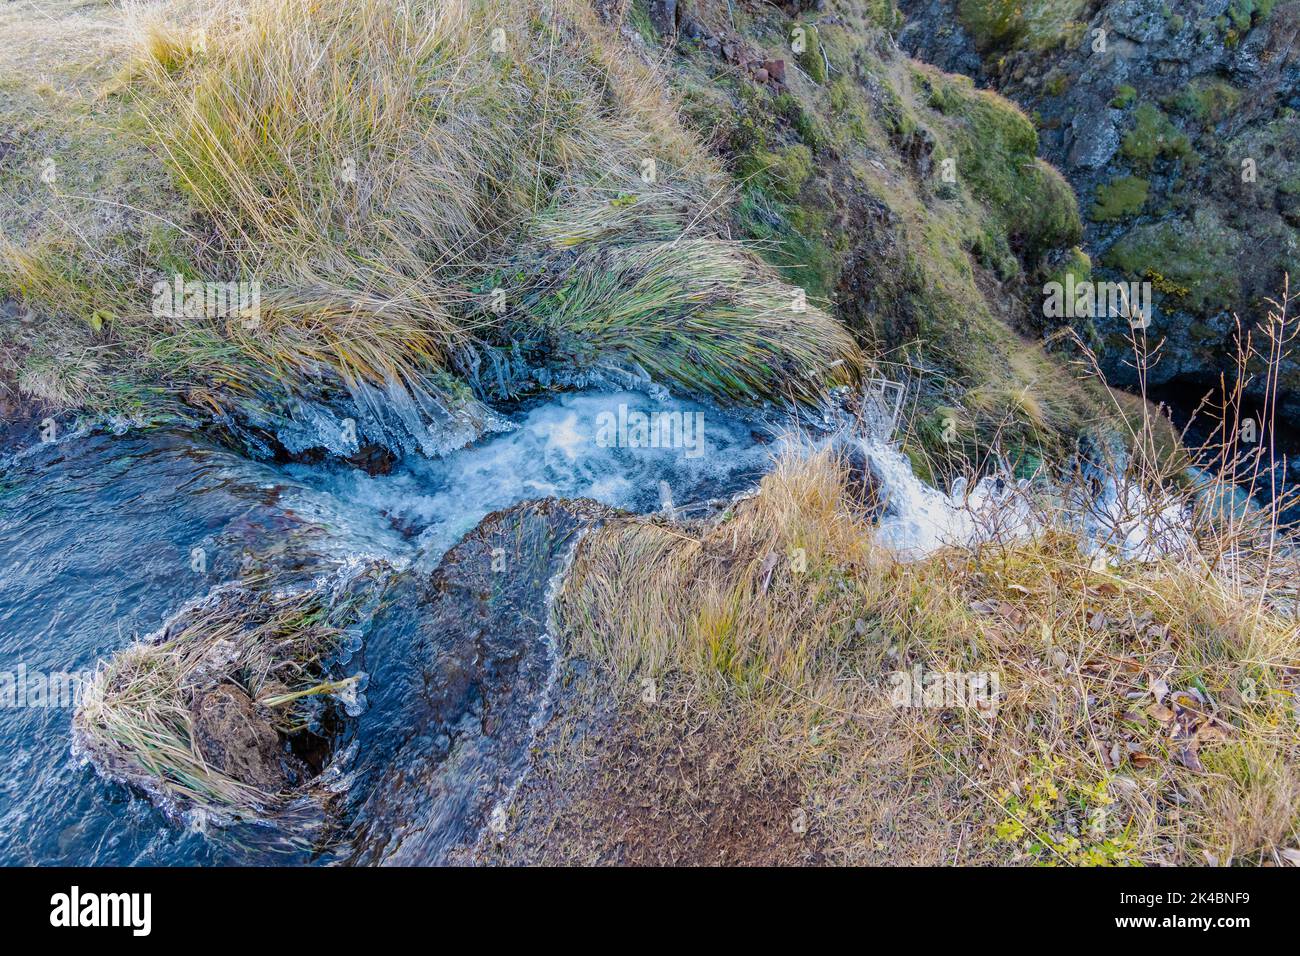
(379, 168)
(1146, 713)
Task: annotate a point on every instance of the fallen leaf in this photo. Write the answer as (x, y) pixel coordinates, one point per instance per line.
(1161, 713)
(1159, 688)
(1187, 757)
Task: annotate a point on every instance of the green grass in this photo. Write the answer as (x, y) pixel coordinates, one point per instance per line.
(1034, 24)
(700, 313)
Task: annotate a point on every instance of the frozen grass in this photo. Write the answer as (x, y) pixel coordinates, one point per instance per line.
(1147, 712)
(373, 164)
(136, 719)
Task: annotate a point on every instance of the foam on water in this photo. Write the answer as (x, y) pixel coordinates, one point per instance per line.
(1115, 516)
(570, 447)
(919, 519)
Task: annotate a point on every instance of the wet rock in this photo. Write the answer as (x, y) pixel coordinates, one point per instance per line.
(236, 738)
(1181, 97)
(461, 715)
(373, 460)
(863, 485)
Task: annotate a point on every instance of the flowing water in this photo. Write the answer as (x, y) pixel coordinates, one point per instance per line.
(103, 537)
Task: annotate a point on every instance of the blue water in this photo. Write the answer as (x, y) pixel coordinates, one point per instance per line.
(97, 549)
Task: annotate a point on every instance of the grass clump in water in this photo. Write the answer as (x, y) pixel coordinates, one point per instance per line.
(201, 718)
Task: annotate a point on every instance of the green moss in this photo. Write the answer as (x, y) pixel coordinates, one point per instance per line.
(1057, 84)
(1242, 12)
(1033, 24)
(1124, 97)
(993, 23)
(811, 58)
(804, 122)
(1153, 136)
(1120, 199)
(996, 147)
(1195, 261)
(783, 172)
(1075, 262)
(791, 239)
(849, 107)
(1209, 101)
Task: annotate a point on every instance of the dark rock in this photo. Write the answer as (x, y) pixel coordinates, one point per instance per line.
(1210, 91)
(663, 16)
(1095, 138)
(1139, 20)
(477, 688)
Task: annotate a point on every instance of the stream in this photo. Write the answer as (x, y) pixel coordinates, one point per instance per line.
(103, 537)
(108, 539)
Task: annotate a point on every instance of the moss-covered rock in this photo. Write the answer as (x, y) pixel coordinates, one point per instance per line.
(1194, 259)
(1153, 137)
(1120, 199)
